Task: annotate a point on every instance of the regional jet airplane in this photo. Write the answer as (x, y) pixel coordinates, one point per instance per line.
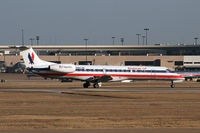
(96, 74)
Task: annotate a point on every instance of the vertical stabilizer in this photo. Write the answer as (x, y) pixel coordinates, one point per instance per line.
(32, 60)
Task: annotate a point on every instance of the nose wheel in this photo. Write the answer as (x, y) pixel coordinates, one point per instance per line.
(172, 84)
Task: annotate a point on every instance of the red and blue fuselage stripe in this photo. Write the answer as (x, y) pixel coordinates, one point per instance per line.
(112, 75)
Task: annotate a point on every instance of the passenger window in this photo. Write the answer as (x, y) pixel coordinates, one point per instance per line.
(148, 71)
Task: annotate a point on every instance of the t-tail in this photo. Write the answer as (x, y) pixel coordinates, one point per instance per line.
(31, 59)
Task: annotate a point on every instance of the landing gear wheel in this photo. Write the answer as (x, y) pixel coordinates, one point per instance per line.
(96, 85)
(172, 84)
(86, 85)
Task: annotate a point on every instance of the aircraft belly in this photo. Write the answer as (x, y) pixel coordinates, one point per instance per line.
(80, 77)
(114, 79)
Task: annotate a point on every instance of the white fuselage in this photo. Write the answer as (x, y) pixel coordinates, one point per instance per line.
(118, 73)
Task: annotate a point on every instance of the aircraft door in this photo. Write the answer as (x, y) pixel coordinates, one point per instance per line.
(153, 74)
(104, 71)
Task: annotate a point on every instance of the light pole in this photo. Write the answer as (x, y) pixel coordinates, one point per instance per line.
(122, 41)
(113, 39)
(58, 54)
(196, 39)
(31, 39)
(143, 37)
(138, 35)
(146, 29)
(37, 39)
(22, 37)
(86, 43)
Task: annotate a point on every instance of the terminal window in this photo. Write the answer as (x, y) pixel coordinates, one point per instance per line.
(187, 62)
(85, 62)
(178, 63)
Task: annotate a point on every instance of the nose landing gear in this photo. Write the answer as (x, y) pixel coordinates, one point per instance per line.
(172, 84)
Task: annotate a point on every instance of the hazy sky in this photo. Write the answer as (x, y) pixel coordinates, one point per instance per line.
(70, 21)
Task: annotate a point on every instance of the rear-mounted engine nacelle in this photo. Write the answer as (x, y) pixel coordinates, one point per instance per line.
(63, 68)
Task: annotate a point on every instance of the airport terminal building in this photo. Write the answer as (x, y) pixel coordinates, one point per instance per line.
(175, 57)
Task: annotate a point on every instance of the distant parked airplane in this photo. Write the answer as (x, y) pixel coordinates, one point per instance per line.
(96, 74)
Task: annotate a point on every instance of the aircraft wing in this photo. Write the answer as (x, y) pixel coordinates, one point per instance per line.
(98, 79)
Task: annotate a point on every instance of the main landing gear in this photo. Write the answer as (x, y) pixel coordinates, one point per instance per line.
(95, 85)
(172, 84)
(86, 85)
